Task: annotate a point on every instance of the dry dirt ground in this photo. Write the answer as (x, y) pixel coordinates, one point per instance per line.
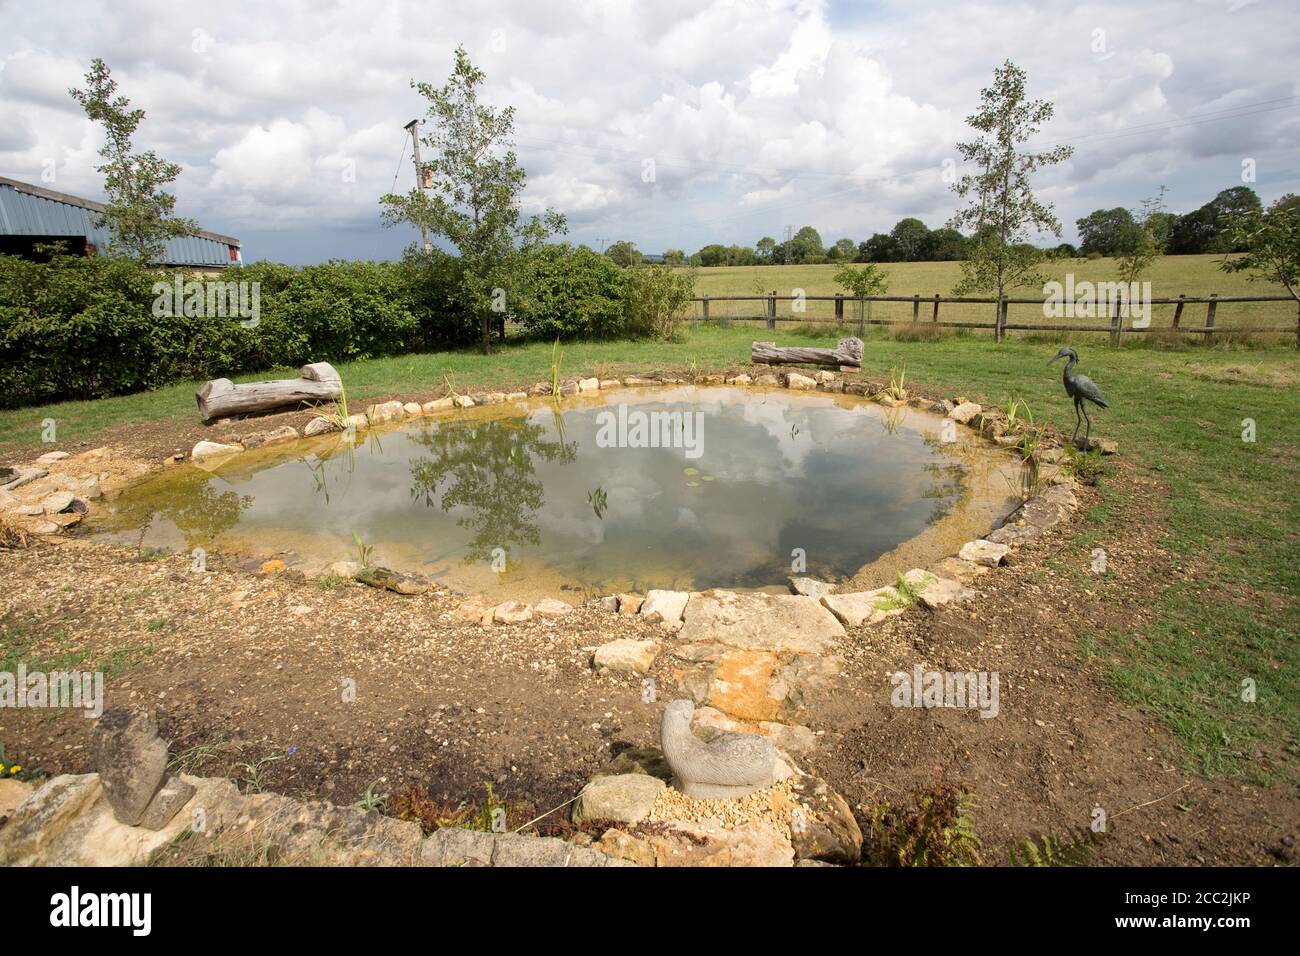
(249, 675)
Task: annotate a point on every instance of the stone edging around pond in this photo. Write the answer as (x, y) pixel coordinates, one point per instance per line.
(751, 661)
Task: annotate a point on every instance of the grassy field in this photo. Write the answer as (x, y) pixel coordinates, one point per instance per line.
(1169, 277)
(1233, 518)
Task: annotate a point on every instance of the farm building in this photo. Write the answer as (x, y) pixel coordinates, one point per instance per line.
(33, 215)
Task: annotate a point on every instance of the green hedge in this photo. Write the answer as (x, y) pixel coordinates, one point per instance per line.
(78, 328)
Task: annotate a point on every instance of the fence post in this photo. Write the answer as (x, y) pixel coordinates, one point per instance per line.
(862, 318)
(706, 307)
(1001, 318)
(839, 307)
(1178, 310)
(916, 307)
(1115, 325)
(1211, 309)
(935, 317)
(771, 310)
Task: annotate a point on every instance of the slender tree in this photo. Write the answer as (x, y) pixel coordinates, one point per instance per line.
(1001, 210)
(139, 213)
(1271, 240)
(472, 197)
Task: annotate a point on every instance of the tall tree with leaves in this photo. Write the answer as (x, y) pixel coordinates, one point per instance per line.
(472, 197)
(1001, 210)
(1271, 243)
(139, 213)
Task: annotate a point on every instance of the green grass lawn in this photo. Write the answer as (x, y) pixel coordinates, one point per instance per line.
(1171, 276)
(1233, 512)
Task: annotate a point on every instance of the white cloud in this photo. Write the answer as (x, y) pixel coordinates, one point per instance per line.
(756, 113)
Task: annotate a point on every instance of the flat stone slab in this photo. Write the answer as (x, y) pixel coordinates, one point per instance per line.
(550, 607)
(512, 612)
(758, 621)
(811, 587)
(985, 552)
(621, 798)
(626, 656)
(868, 607)
(665, 608)
(745, 685)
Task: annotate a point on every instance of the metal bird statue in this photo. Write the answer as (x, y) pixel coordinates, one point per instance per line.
(1081, 389)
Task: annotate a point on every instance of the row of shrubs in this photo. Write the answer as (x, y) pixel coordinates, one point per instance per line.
(78, 328)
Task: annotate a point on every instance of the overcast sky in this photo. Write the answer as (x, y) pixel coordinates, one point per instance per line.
(287, 117)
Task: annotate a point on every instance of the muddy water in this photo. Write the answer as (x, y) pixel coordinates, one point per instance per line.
(527, 500)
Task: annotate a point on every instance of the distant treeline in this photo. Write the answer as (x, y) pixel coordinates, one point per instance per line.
(1105, 232)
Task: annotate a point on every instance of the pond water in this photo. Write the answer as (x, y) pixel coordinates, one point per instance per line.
(533, 499)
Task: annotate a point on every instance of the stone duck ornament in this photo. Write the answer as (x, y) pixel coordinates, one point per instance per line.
(730, 765)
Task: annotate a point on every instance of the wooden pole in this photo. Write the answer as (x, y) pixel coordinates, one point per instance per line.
(1178, 310)
(935, 317)
(771, 310)
(413, 128)
(839, 307)
(916, 308)
(1211, 309)
(1115, 326)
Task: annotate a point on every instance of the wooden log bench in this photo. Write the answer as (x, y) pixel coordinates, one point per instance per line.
(847, 354)
(222, 398)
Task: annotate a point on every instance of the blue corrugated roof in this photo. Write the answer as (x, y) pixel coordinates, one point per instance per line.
(28, 210)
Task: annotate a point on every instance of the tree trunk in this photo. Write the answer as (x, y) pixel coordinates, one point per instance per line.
(846, 352)
(221, 398)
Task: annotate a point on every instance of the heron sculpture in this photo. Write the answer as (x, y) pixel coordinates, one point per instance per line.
(1081, 389)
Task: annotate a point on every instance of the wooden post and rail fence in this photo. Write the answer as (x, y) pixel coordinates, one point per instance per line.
(1001, 324)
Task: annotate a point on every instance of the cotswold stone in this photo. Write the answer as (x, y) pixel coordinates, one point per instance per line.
(941, 591)
(741, 379)
(794, 380)
(512, 612)
(59, 501)
(320, 426)
(868, 607)
(811, 587)
(707, 844)
(550, 607)
(760, 621)
(664, 608)
(823, 827)
(385, 412)
(588, 384)
(745, 685)
(621, 798)
(626, 656)
(131, 759)
(212, 449)
(988, 553)
(272, 436)
(395, 581)
(964, 412)
(629, 603)
(438, 405)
